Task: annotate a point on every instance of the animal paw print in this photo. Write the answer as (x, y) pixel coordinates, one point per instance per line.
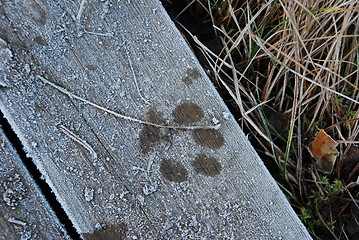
(174, 171)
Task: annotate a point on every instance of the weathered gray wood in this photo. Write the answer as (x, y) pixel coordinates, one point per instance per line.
(120, 178)
(24, 213)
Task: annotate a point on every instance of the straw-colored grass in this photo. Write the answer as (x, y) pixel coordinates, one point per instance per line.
(290, 68)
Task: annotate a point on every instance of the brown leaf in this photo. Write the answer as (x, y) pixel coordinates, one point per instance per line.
(323, 148)
(278, 120)
(351, 161)
(353, 154)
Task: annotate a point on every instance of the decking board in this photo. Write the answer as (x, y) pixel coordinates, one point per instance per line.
(116, 177)
(24, 212)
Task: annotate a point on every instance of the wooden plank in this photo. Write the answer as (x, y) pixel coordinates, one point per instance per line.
(24, 212)
(116, 176)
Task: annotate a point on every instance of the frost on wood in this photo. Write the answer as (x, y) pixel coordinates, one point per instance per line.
(24, 211)
(5, 56)
(14, 192)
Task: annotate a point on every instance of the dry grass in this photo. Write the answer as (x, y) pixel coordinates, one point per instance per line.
(290, 68)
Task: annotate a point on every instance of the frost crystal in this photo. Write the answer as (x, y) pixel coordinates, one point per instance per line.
(14, 191)
(88, 194)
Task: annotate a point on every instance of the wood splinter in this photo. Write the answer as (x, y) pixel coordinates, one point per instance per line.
(116, 114)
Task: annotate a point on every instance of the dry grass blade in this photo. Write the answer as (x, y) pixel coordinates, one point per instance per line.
(119, 115)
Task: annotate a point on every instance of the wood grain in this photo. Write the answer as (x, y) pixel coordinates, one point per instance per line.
(118, 178)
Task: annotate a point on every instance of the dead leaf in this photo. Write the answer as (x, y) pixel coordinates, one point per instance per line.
(352, 156)
(323, 148)
(278, 120)
(351, 161)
